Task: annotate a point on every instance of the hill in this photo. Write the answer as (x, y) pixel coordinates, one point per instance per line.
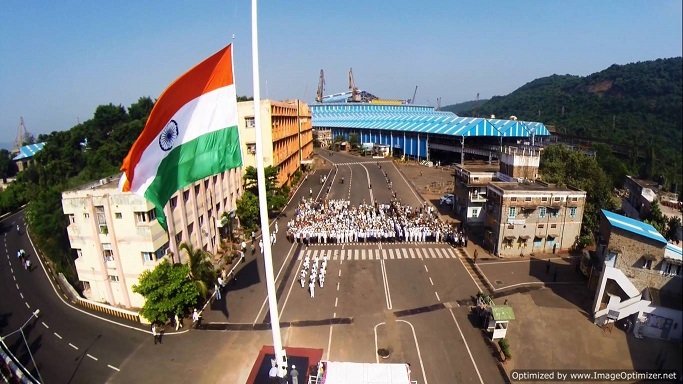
(636, 107)
(465, 106)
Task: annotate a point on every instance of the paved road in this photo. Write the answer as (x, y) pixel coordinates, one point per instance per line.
(408, 297)
(67, 344)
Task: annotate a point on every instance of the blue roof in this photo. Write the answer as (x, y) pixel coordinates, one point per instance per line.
(634, 226)
(28, 151)
(418, 119)
(673, 252)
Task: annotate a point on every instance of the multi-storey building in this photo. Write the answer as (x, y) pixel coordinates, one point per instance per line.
(532, 217)
(639, 278)
(116, 236)
(641, 195)
(516, 164)
(289, 131)
(470, 190)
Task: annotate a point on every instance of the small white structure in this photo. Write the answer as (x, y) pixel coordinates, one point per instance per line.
(337, 372)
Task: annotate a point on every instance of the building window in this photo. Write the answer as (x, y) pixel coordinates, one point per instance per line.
(251, 148)
(152, 214)
(161, 252)
(475, 213)
(174, 201)
(541, 226)
(147, 257)
(179, 237)
(72, 219)
(672, 269)
(196, 190)
(186, 195)
(554, 212)
(572, 212)
(249, 122)
(190, 229)
(557, 199)
(201, 220)
(118, 215)
(512, 212)
(140, 217)
(647, 263)
(553, 225)
(86, 216)
(511, 226)
(528, 198)
(542, 211)
(544, 198)
(513, 199)
(538, 241)
(114, 278)
(575, 199)
(79, 253)
(107, 253)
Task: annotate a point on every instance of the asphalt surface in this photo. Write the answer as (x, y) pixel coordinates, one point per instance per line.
(68, 344)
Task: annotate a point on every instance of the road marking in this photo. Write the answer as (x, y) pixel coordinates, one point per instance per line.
(21, 294)
(339, 274)
(417, 347)
(384, 254)
(362, 253)
(329, 341)
(17, 285)
(426, 268)
(73, 346)
(27, 306)
(337, 286)
(336, 300)
(405, 253)
(14, 277)
(45, 325)
(385, 279)
(437, 296)
(57, 334)
(114, 368)
(290, 289)
(430, 280)
(276, 277)
(91, 356)
(466, 346)
(431, 252)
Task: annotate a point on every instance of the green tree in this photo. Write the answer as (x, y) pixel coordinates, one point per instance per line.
(251, 178)
(336, 142)
(201, 270)
(656, 218)
(7, 166)
(167, 290)
(141, 109)
(672, 228)
(248, 210)
(561, 165)
(353, 140)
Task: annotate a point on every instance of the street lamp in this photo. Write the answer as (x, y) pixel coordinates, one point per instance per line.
(28, 347)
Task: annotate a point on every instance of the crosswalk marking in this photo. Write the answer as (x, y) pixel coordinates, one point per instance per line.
(384, 253)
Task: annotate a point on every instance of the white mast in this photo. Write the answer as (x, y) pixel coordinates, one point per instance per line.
(263, 207)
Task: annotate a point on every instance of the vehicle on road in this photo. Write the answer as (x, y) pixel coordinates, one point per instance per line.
(446, 199)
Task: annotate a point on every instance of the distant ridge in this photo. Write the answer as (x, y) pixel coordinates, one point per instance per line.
(465, 106)
(7, 146)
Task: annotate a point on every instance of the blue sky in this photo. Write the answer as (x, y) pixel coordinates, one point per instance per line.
(59, 60)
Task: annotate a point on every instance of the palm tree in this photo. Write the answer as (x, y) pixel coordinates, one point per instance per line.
(201, 268)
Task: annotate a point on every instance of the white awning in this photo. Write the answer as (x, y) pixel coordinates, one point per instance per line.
(366, 373)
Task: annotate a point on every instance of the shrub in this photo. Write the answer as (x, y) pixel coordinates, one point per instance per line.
(505, 347)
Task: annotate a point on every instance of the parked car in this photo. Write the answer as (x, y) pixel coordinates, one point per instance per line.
(446, 199)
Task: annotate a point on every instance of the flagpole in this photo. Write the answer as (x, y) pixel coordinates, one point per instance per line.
(263, 207)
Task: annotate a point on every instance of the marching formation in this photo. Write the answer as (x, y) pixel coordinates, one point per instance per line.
(336, 221)
(316, 274)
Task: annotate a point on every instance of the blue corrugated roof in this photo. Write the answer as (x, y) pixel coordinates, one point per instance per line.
(29, 151)
(634, 226)
(418, 119)
(673, 252)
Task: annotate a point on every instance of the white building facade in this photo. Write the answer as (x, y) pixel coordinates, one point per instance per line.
(116, 235)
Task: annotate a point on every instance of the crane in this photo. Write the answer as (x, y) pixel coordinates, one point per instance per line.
(355, 96)
(321, 87)
(21, 134)
(412, 101)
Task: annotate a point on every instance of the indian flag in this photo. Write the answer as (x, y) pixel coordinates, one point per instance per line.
(191, 134)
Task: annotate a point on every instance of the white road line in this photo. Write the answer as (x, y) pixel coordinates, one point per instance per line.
(362, 254)
(431, 252)
(73, 346)
(45, 325)
(405, 253)
(91, 356)
(385, 279)
(14, 277)
(276, 277)
(339, 274)
(391, 254)
(21, 294)
(337, 286)
(437, 296)
(430, 280)
(113, 367)
(17, 285)
(27, 306)
(466, 346)
(57, 334)
(284, 304)
(355, 254)
(426, 268)
(336, 300)
(329, 344)
(470, 275)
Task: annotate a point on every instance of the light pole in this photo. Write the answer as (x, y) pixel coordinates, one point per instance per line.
(28, 347)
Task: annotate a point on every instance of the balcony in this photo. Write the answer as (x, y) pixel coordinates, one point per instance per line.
(478, 198)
